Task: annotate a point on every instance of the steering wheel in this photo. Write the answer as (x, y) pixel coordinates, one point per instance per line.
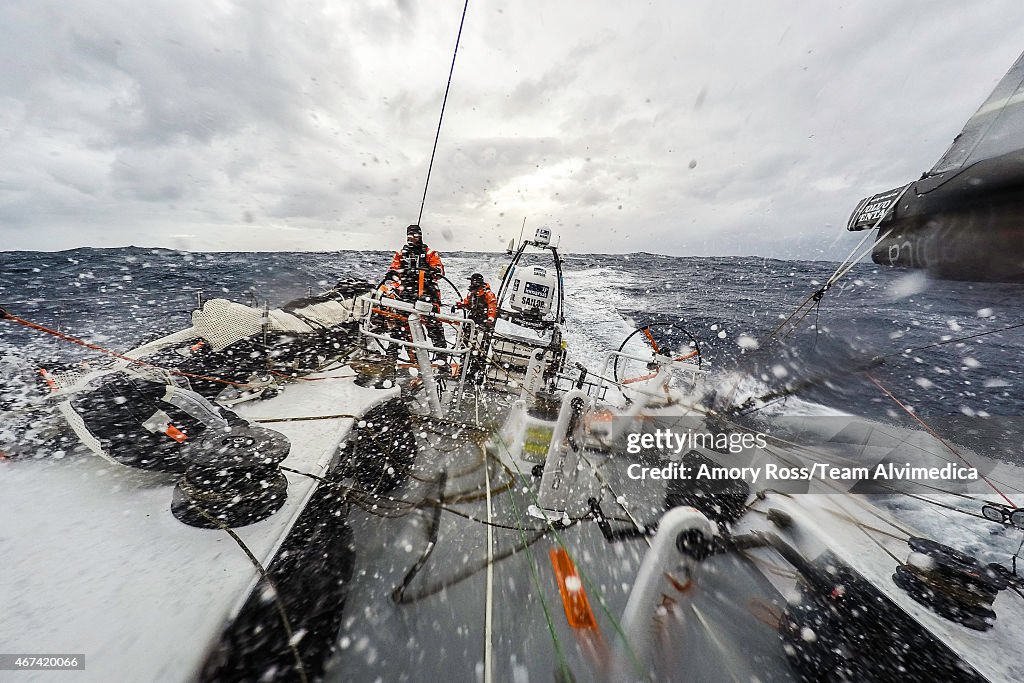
(646, 330)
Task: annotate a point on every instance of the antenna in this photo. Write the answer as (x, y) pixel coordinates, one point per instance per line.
(521, 231)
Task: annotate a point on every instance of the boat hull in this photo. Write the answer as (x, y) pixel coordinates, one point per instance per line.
(964, 225)
(965, 246)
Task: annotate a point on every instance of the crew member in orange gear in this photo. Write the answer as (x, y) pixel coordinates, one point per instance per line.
(482, 307)
(480, 302)
(416, 255)
(420, 268)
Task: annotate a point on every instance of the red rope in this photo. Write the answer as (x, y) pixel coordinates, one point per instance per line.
(932, 432)
(4, 315)
(308, 379)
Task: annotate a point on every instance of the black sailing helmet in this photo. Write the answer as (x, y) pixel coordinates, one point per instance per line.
(414, 230)
(476, 280)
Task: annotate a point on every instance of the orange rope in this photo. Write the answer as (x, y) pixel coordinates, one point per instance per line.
(641, 378)
(399, 316)
(307, 379)
(389, 314)
(4, 315)
(932, 432)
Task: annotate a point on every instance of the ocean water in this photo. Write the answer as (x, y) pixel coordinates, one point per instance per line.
(119, 298)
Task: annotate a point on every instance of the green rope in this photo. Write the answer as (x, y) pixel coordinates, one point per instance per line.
(535, 572)
(588, 583)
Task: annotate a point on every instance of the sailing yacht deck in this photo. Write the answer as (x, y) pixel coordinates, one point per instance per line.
(96, 564)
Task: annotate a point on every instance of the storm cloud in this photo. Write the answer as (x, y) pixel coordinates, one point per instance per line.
(737, 127)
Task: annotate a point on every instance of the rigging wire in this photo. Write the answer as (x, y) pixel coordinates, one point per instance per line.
(5, 315)
(749, 406)
(957, 494)
(931, 431)
(440, 119)
(952, 341)
(817, 323)
(936, 503)
(847, 264)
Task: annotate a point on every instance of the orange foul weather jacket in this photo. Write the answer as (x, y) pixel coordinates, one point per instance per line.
(402, 260)
(410, 259)
(482, 305)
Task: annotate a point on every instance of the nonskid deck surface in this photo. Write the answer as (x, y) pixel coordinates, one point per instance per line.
(451, 598)
(442, 622)
(95, 538)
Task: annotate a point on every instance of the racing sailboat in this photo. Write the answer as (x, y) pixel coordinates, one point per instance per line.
(321, 491)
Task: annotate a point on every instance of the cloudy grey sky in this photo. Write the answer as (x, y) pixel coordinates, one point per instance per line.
(727, 127)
